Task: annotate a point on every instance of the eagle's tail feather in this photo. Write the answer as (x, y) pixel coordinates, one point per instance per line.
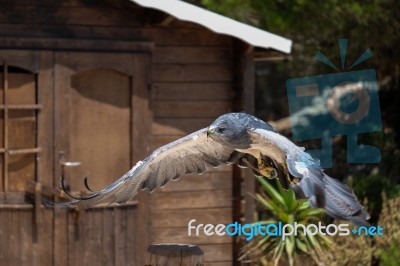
(337, 198)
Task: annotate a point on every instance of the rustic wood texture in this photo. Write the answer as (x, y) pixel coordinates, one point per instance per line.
(20, 242)
(191, 109)
(162, 235)
(189, 93)
(192, 91)
(188, 80)
(244, 182)
(102, 145)
(102, 236)
(191, 72)
(18, 92)
(96, 128)
(174, 254)
(141, 134)
(180, 218)
(192, 55)
(217, 253)
(192, 199)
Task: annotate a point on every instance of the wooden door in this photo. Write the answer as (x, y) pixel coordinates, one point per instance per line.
(25, 156)
(100, 103)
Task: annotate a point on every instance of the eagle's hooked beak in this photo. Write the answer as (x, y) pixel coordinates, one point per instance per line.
(211, 130)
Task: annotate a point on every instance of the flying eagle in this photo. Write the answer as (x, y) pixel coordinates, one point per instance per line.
(235, 138)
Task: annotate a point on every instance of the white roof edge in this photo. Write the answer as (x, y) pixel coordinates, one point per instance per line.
(219, 24)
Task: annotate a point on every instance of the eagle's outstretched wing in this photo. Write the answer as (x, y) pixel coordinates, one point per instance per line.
(188, 155)
(301, 172)
(249, 142)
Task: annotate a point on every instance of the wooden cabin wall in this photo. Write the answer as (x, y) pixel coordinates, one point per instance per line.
(192, 83)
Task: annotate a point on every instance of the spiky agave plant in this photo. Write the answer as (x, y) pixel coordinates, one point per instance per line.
(282, 206)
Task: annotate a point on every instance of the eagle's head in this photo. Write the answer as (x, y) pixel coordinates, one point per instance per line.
(232, 129)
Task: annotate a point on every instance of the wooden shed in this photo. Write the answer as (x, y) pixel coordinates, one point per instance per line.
(102, 83)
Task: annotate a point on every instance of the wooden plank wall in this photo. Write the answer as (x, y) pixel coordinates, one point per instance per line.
(192, 86)
(101, 236)
(20, 242)
(192, 76)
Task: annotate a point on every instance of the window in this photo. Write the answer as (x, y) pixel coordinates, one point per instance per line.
(18, 128)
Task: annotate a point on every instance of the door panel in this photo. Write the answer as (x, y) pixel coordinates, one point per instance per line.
(94, 116)
(95, 102)
(79, 106)
(100, 121)
(103, 236)
(22, 87)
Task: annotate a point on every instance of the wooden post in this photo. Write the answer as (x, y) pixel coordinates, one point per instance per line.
(174, 255)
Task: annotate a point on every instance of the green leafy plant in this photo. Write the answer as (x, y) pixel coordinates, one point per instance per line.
(390, 256)
(387, 246)
(366, 250)
(371, 187)
(281, 205)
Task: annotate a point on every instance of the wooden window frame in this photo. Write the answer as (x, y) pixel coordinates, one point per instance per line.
(5, 107)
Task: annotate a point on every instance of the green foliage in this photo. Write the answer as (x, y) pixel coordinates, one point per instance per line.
(316, 25)
(390, 256)
(349, 250)
(371, 187)
(386, 141)
(387, 246)
(315, 20)
(364, 250)
(282, 205)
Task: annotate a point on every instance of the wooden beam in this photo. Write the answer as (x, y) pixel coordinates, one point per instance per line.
(142, 119)
(21, 107)
(75, 45)
(244, 101)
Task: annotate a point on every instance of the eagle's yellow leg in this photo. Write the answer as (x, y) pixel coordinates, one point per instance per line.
(266, 170)
(262, 167)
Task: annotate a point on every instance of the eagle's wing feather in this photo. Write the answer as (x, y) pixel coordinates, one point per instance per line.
(188, 155)
(311, 182)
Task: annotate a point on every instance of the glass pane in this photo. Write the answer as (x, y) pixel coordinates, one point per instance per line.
(22, 89)
(21, 168)
(22, 129)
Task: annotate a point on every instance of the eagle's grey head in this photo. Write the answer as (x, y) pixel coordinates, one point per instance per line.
(231, 129)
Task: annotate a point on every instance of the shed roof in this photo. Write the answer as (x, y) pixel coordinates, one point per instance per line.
(219, 24)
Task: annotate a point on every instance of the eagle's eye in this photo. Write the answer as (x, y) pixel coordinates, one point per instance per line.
(220, 130)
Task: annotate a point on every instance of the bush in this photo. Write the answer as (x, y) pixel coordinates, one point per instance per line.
(282, 206)
(371, 187)
(349, 250)
(364, 250)
(390, 256)
(388, 245)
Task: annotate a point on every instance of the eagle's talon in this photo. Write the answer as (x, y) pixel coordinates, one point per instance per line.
(296, 180)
